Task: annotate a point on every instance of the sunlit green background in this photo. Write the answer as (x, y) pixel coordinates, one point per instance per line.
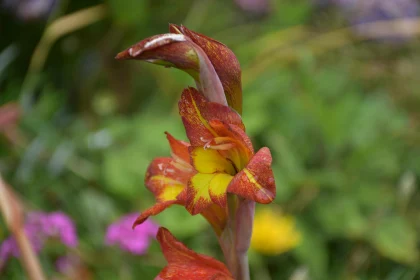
(339, 113)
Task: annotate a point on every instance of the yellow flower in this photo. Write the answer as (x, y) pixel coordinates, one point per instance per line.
(274, 233)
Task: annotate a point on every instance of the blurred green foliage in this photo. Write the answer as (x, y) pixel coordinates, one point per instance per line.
(343, 127)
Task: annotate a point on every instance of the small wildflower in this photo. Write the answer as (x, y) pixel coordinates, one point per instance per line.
(65, 264)
(41, 227)
(274, 233)
(135, 241)
(257, 7)
(30, 10)
(71, 266)
(361, 12)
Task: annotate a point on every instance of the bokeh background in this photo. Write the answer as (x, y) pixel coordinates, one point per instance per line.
(332, 87)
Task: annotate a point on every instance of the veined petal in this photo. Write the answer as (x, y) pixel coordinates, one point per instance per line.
(196, 112)
(178, 148)
(224, 61)
(154, 210)
(172, 50)
(179, 51)
(233, 131)
(205, 189)
(197, 193)
(242, 151)
(164, 180)
(256, 180)
(214, 214)
(184, 263)
(217, 188)
(217, 217)
(210, 161)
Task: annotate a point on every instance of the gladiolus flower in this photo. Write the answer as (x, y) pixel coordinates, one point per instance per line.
(222, 160)
(222, 155)
(184, 263)
(217, 174)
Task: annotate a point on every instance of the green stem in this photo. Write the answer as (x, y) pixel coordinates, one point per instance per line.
(236, 257)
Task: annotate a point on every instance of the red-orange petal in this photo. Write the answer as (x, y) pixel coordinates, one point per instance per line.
(166, 49)
(179, 51)
(217, 217)
(179, 149)
(214, 214)
(154, 210)
(196, 194)
(164, 180)
(243, 150)
(184, 263)
(256, 180)
(224, 62)
(233, 131)
(196, 112)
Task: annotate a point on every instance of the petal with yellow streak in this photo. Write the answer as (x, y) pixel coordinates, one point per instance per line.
(196, 112)
(197, 193)
(256, 180)
(165, 180)
(217, 188)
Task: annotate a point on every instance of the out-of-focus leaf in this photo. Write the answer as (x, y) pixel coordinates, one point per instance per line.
(136, 143)
(341, 216)
(395, 238)
(180, 222)
(98, 211)
(124, 170)
(291, 13)
(312, 251)
(129, 12)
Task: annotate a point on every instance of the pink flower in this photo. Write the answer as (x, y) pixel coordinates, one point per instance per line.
(135, 241)
(40, 227)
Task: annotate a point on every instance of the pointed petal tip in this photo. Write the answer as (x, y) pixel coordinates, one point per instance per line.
(162, 231)
(123, 55)
(140, 219)
(174, 28)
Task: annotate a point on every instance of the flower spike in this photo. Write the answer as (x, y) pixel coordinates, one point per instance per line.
(217, 173)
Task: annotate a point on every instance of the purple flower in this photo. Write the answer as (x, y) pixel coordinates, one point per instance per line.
(28, 10)
(67, 264)
(362, 11)
(40, 227)
(359, 12)
(60, 225)
(135, 241)
(254, 6)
